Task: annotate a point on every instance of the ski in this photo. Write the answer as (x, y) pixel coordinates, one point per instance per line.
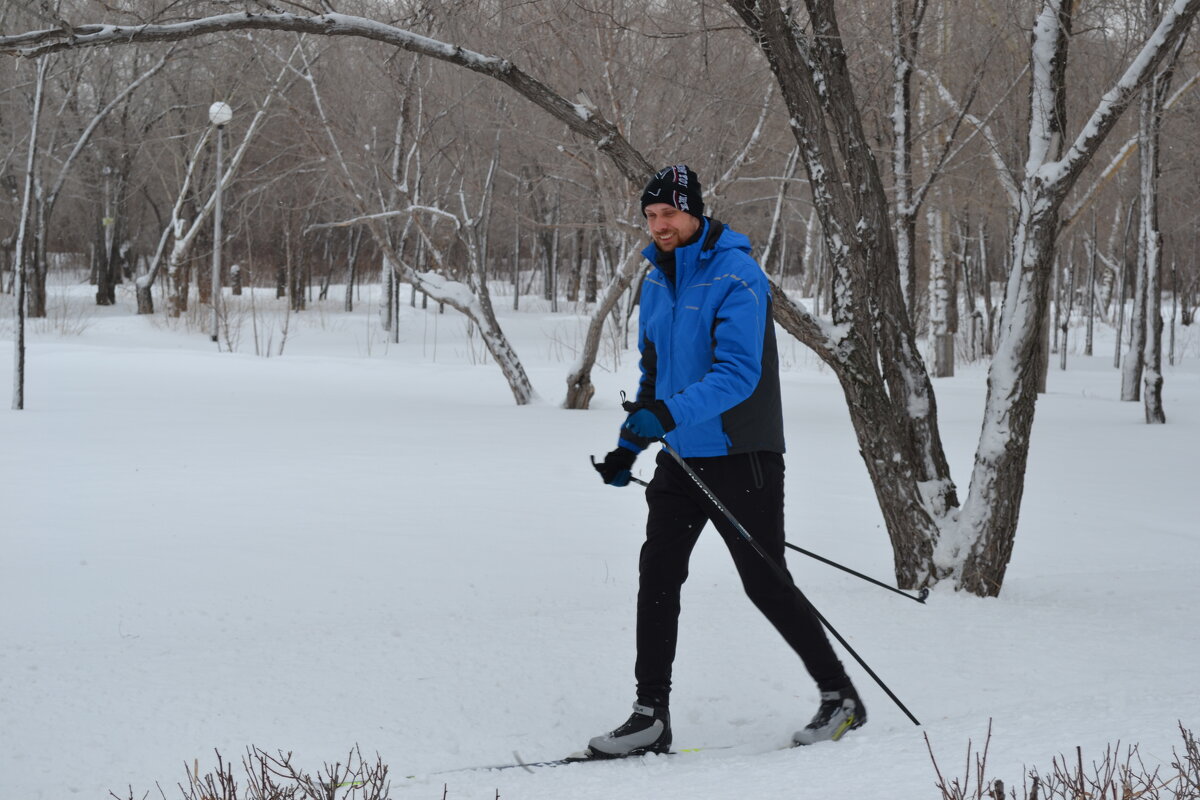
(520, 763)
(581, 757)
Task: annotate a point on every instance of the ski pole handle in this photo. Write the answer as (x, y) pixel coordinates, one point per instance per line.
(631, 478)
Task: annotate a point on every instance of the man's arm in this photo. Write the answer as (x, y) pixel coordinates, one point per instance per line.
(737, 352)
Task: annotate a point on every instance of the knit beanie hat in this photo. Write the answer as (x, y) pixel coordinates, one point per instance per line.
(676, 186)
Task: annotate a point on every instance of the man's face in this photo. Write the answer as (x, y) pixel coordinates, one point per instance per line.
(670, 227)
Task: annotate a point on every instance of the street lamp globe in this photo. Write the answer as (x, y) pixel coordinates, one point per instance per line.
(220, 113)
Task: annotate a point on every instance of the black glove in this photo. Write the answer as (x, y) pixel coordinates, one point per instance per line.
(616, 466)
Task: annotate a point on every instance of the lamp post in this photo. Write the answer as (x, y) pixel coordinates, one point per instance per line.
(219, 114)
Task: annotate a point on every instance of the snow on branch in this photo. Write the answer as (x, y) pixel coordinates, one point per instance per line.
(39, 43)
(352, 221)
(1175, 21)
(1120, 159)
(592, 126)
(442, 289)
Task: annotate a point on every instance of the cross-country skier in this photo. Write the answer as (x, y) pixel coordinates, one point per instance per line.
(709, 386)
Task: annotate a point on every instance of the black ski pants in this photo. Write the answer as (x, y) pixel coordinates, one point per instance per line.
(750, 485)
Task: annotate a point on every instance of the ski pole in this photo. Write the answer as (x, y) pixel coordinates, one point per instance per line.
(782, 575)
(919, 597)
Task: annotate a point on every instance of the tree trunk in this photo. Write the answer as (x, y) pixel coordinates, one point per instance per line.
(877, 359)
(390, 291)
(1131, 369)
(998, 479)
(1174, 312)
(579, 381)
(905, 27)
(106, 246)
(37, 263)
(941, 298)
(985, 292)
(1148, 149)
(181, 287)
(1089, 336)
(516, 266)
(590, 282)
(353, 244)
(1123, 290)
(1066, 299)
(18, 397)
(988, 519)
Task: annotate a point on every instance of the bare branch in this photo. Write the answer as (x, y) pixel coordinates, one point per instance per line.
(1119, 160)
(580, 119)
(983, 128)
(1175, 21)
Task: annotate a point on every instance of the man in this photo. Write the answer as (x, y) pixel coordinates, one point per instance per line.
(709, 386)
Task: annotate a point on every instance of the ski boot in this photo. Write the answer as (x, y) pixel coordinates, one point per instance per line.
(840, 711)
(648, 730)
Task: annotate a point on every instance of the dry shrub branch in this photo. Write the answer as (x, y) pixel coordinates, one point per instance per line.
(276, 777)
(1117, 776)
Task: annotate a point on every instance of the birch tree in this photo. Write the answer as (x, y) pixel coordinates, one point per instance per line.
(942, 276)
(18, 399)
(1154, 97)
(906, 29)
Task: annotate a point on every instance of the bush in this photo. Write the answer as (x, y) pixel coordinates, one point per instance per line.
(274, 777)
(1116, 777)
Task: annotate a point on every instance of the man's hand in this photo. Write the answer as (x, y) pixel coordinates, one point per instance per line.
(649, 420)
(616, 466)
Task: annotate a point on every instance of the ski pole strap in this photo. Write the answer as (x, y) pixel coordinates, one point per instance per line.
(782, 575)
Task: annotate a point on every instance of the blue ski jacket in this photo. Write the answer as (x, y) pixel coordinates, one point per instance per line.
(708, 350)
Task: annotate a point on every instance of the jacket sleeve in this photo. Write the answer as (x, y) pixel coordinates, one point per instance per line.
(648, 366)
(737, 349)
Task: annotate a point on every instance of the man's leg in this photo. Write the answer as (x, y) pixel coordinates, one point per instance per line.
(751, 487)
(673, 525)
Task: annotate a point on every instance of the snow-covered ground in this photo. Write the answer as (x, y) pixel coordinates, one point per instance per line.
(368, 543)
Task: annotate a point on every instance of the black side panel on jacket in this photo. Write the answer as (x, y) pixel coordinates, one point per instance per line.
(756, 423)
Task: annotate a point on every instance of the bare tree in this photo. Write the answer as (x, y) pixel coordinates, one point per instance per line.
(990, 513)
(1154, 97)
(19, 272)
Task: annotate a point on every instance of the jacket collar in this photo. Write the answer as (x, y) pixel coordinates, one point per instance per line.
(706, 242)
